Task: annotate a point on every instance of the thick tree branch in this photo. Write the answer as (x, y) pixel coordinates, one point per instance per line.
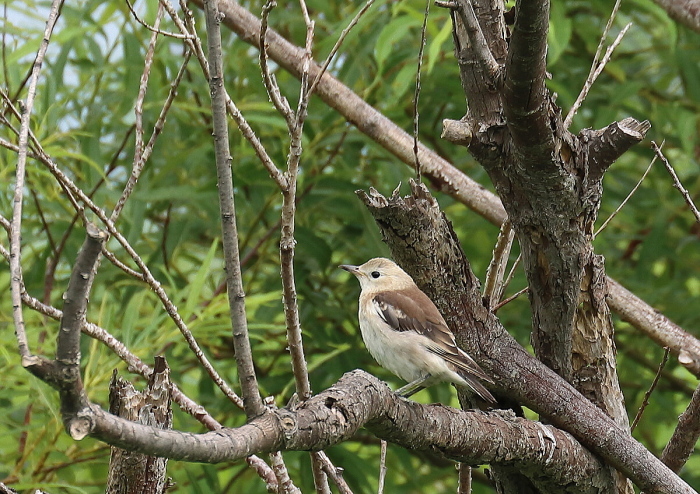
(63, 373)
(608, 144)
(527, 104)
(478, 44)
(359, 399)
(423, 242)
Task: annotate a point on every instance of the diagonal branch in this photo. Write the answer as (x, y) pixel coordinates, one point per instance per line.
(682, 443)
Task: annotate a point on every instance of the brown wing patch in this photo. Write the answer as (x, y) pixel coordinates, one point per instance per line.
(406, 310)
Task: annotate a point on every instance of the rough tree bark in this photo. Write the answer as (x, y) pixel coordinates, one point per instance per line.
(135, 473)
(550, 183)
(422, 241)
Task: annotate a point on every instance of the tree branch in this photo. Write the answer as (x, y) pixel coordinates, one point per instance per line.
(16, 277)
(527, 104)
(687, 12)
(682, 443)
(244, 360)
(359, 399)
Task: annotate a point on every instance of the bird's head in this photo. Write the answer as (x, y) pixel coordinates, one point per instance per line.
(380, 274)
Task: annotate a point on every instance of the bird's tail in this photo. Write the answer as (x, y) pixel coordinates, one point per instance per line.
(478, 388)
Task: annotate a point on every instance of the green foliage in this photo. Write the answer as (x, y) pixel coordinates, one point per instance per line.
(84, 114)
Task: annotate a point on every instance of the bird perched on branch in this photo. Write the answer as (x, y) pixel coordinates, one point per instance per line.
(406, 334)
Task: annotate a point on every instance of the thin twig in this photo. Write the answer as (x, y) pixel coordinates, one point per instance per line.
(244, 359)
(16, 277)
(511, 273)
(138, 163)
(676, 182)
(493, 286)
(155, 28)
(597, 67)
(594, 66)
(645, 401)
(464, 485)
(117, 263)
(416, 93)
(382, 467)
(273, 90)
(509, 299)
(338, 43)
(335, 473)
(160, 123)
(629, 196)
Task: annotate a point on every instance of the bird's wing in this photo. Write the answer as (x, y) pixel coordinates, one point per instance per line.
(414, 311)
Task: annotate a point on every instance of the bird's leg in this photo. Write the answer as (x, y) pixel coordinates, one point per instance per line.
(413, 387)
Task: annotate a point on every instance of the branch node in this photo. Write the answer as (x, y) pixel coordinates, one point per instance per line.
(457, 131)
(81, 425)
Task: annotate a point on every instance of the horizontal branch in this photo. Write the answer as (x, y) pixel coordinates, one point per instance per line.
(359, 399)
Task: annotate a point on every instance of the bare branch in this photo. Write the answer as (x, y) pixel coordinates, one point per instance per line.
(593, 74)
(527, 104)
(155, 28)
(16, 276)
(651, 389)
(335, 473)
(338, 43)
(657, 327)
(249, 385)
(273, 90)
(382, 467)
(608, 144)
(285, 484)
(677, 182)
(493, 286)
(359, 399)
(416, 93)
(479, 46)
(682, 442)
(138, 163)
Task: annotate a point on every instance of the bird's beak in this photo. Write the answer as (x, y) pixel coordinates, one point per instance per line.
(351, 269)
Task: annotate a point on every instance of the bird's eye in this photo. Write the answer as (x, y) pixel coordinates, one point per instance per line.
(375, 274)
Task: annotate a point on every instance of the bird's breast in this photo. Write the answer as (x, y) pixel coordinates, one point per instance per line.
(398, 352)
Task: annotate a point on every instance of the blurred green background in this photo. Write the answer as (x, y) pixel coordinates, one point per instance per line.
(84, 116)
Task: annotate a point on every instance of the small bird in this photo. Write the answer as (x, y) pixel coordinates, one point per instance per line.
(406, 334)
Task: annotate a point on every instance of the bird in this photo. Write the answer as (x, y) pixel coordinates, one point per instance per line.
(406, 334)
